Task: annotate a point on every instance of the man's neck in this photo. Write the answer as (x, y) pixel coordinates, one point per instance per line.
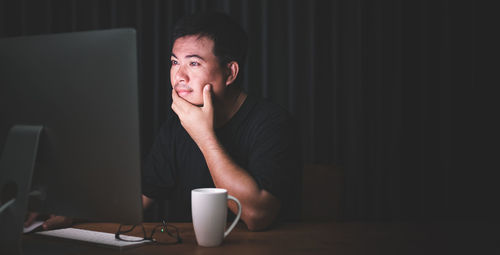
(226, 109)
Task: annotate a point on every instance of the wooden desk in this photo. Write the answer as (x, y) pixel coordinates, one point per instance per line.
(313, 238)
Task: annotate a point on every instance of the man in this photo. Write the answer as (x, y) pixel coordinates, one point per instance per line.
(218, 135)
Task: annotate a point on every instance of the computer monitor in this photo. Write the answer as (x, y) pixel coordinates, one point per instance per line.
(81, 89)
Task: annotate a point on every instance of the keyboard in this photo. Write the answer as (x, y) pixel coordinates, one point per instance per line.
(94, 237)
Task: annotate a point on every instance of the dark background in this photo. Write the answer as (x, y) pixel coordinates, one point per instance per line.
(384, 89)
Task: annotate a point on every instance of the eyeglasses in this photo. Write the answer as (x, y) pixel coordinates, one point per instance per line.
(172, 234)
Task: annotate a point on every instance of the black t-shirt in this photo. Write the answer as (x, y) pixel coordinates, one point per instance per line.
(260, 138)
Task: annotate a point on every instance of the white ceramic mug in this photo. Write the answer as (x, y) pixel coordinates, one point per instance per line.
(209, 209)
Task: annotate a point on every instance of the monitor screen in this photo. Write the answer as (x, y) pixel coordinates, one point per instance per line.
(82, 88)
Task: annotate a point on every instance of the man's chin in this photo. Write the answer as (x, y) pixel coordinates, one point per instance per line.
(192, 102)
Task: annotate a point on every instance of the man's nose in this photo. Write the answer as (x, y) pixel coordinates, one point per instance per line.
(181, 75)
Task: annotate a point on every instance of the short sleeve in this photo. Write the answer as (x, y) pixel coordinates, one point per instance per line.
(274, 160)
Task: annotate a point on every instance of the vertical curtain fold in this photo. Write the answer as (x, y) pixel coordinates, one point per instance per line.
(310, 135)
(264, 48)
(292, 51)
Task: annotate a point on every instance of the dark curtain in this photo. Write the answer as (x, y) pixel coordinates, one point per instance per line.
(372, 85)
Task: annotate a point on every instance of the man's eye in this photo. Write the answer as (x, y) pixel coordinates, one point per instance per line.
(174, 62)
(194, 64)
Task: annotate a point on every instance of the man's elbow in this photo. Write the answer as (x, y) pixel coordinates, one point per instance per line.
(259, 221)
(260, 216)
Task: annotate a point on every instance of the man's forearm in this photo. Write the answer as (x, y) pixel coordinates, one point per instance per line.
(259, 206)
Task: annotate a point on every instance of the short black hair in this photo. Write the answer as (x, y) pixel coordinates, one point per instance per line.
(230, 40)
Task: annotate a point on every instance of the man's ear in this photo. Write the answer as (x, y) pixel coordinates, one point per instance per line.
(233, 68)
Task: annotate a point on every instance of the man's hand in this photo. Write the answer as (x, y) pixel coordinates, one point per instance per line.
(55, 221)
(52, 222)
(30, 219)
(197, 121)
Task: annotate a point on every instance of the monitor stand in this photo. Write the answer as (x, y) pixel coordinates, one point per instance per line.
(16, 169)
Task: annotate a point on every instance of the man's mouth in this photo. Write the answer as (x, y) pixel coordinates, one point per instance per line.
(182, 91)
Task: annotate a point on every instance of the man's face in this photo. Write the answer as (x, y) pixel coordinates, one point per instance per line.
(193, 66)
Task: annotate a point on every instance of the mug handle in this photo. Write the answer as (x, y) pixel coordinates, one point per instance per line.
(229, 197)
